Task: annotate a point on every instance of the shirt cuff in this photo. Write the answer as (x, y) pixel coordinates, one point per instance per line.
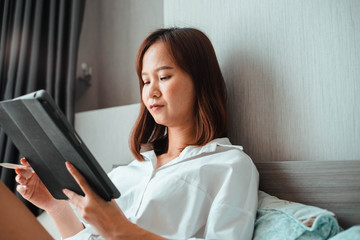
(87, 233)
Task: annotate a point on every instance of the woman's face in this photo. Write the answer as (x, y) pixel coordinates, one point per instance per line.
(168, 91)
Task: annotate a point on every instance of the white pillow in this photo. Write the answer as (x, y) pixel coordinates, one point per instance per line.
(282, 219)
(304, 213)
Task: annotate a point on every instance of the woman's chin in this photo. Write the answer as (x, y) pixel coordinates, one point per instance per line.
(159, 121)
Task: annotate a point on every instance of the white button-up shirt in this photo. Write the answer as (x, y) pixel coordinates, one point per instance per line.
(207, 192)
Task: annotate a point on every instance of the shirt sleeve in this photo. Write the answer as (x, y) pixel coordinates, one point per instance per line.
(232, 213)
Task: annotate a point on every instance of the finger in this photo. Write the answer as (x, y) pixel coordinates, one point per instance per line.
(21, 180)
(24, 162)
(21, 189)
(26, 173)
(79, 179)
(74, 198)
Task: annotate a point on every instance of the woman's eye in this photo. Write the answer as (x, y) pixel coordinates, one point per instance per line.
(146, 82)
(165, 78)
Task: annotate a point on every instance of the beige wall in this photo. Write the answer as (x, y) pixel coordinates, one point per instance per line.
(292, 70)
(88, 53)
(112, 32)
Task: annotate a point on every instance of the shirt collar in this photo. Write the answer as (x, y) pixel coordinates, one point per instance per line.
(190, 151)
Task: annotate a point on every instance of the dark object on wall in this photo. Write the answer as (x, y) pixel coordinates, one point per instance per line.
(38, 50)
(83, 82)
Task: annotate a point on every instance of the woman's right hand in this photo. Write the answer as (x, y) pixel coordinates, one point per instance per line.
(32, 189)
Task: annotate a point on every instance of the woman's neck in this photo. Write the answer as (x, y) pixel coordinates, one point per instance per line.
(179, 138)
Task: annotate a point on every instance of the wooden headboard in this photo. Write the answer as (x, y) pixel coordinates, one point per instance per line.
(333, 185)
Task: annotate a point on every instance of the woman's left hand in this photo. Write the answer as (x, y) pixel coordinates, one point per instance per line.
(106, 217)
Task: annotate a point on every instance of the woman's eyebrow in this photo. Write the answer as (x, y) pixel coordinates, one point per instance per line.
(159, 69)
(163, 68)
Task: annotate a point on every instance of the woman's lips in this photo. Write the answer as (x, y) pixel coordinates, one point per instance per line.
(155, 107)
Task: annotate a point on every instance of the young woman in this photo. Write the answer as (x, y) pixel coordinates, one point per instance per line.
(188, 181)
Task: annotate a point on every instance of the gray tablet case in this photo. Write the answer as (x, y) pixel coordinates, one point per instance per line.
(47, 140)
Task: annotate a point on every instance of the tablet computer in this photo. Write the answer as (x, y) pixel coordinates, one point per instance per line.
(47, 140)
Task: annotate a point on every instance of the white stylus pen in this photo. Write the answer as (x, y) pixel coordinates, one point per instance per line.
(14, 166)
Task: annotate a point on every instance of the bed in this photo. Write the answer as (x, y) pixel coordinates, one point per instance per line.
(331, 186)
(313, 189)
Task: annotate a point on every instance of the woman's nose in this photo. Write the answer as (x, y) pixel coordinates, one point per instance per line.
(155, 91)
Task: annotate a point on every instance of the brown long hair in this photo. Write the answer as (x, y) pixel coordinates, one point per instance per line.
(193, 52)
